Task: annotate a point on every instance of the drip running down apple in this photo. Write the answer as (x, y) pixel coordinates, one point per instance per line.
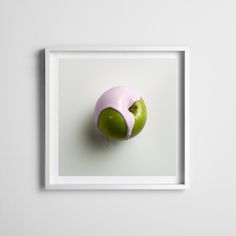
(120, 113)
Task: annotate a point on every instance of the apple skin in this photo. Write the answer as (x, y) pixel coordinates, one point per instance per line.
(112, 124)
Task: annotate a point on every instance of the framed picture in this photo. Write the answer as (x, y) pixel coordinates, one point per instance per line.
(78, 157)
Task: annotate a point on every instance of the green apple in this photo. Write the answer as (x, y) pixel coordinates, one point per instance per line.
(113, 125)
(139, 110)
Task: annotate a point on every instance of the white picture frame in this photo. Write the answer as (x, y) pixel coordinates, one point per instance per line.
(52, 178)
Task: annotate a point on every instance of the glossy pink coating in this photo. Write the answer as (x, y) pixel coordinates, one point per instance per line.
(120, 98)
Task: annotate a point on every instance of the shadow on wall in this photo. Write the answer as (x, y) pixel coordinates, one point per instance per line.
(40, 56)
(92, 137)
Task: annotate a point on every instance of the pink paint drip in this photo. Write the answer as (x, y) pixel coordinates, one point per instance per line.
(120, 98)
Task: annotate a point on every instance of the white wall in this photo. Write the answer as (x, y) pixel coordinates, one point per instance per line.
(208, 28)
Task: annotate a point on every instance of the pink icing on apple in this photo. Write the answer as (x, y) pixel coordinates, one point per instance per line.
(120, 98)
